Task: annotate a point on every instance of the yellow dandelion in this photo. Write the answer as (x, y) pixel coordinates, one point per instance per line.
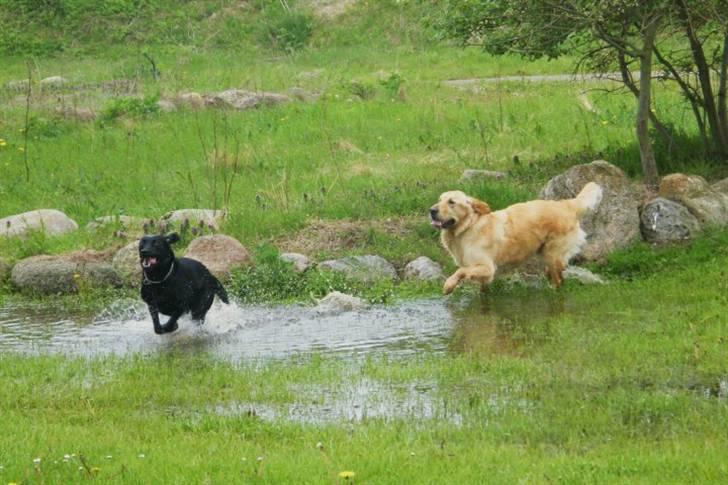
(76, 275)
(3, 142)
(346, 475)
(95, 469)
(21, 149)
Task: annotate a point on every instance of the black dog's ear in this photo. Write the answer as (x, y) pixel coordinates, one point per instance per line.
(172, 238)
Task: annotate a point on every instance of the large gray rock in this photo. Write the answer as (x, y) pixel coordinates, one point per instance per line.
(666, 221)
(721, 186)
(53, 82)
(203, 218)
(693, 191)
(51, 221)
(126, 264)
(366, 269)
(45, 275)
(336, 302)
(423, 268)
(616, 222)
(241, 100)
(220, 253)
(300, 262)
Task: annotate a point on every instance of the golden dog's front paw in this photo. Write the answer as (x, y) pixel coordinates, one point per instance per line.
(450, 285)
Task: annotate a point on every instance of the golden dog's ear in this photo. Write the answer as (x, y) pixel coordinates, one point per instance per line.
(479, 206)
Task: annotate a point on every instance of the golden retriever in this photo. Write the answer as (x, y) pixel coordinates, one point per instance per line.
(481, 241)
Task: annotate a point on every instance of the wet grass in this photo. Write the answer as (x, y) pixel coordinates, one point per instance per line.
(623, 382)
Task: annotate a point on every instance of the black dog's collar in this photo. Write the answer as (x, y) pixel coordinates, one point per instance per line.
(147, 281)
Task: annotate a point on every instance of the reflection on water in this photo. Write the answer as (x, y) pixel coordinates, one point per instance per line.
(471, 323)
(504, 324)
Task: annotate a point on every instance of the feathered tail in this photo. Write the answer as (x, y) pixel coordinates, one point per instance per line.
(589, 198)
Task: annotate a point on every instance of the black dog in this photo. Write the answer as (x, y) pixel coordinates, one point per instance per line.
(174, 286)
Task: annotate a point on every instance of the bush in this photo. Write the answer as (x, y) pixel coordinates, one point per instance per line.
(129, 106)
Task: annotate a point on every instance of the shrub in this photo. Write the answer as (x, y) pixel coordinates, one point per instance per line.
(129, 106)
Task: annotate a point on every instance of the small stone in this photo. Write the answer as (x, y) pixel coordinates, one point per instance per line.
(471, 174)
(300, 262)
(582, 275)
(423, 268)
(366, 269)
(336, 302)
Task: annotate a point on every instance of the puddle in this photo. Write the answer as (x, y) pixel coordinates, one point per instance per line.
(356, 402)
(231, 331)
(237, 332)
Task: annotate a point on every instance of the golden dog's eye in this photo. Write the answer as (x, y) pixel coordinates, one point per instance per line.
(451, 202)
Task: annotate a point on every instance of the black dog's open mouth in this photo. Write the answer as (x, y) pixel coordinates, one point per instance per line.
(148, 261)
(438, 224)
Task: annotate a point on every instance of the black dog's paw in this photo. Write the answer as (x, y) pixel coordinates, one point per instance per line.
(166, 329)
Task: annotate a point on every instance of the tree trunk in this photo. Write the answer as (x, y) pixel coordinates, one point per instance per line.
(647, 155)
(722, 115)
(717, 131)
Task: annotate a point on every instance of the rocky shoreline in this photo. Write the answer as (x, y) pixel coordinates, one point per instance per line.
(684, 206)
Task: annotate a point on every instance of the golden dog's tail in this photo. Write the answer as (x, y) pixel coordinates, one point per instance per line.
(589, 198)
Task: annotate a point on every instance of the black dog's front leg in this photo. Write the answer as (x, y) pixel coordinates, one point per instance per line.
(168, 327)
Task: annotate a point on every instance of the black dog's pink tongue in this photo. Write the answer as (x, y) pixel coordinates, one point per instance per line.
(148, 261)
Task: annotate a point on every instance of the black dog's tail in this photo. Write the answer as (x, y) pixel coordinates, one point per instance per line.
(220, 291)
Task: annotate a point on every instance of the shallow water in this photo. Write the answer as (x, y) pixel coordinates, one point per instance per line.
(239, 332)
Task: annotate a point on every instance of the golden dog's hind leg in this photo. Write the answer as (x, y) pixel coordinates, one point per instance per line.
(554, 271)
(482, 273)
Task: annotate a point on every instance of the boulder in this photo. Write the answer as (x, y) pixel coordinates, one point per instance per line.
(220, 253)
(473, 174)
(21, 85)
(300, 262)
(45, 275)
(53, 82)
(582, 275)
(190, 100)
(202, 218)
(693, 191)
(299, 94)
(51, 221)
(337, 302)
(240, 99)
(166, 106)
(75, 114)
(126, 264)
(721, 186)
(616, 222)
(366, 269)
(423, 268)
(664, 221)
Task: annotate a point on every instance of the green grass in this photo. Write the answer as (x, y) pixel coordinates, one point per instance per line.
(595, 384)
